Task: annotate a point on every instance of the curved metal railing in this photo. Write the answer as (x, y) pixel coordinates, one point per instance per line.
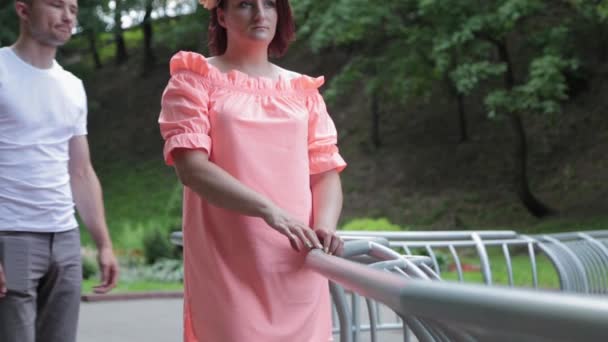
(580, 261)
(443, 311)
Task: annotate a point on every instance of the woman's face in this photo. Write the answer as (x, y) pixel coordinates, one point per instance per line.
(249, 20)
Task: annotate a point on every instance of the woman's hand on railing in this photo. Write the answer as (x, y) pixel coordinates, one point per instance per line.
(332, 243)
(297, 232)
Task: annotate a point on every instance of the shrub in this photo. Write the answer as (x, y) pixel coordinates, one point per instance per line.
(157, 246)
(370, 224)
(164, 270)
(441, 258)
(89, 267)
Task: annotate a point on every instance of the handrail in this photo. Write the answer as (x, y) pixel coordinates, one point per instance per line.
(430, 235)
(434, 310)
(488, 311)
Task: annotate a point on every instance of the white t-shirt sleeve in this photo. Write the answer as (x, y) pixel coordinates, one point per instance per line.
(80, 126)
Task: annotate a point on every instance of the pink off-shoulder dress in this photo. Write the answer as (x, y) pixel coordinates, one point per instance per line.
(243, 281)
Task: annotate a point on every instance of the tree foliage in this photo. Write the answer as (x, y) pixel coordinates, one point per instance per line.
(518, 56)
(10, 23)
(516, 53)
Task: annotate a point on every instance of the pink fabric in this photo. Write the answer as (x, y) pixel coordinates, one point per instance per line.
(243, 282)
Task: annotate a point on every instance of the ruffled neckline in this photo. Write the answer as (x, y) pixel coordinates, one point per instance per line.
(197, 63)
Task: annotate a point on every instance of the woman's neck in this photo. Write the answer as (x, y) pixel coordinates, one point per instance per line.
(253, 61)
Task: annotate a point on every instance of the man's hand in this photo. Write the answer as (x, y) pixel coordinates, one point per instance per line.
(109, 271)
(2, 283)
(332, 243)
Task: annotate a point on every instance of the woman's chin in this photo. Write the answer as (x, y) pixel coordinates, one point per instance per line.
(260, 37)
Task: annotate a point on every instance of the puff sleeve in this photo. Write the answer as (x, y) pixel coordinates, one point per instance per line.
(184, 120)
(322, 138)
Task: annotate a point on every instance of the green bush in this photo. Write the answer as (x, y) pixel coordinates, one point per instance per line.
(370, 224)
(162, 271)
(441, 258)
(89, 267)
(165, 270)
(130, 235)
(157, 246)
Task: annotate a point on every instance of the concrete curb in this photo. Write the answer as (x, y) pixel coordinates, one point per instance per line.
(92, 298)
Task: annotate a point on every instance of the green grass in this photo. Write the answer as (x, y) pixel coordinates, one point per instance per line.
(144, 195)
(521, 266)
(134, 286)
(369, 224)
(138, 198)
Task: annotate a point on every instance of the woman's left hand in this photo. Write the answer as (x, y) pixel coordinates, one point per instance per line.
(332, 243)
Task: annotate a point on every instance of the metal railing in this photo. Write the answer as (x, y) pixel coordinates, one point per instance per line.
(375, 254)
(443, 311)
(580, 260)
(452, 241)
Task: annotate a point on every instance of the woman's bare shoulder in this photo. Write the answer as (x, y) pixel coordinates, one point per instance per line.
(214, 61)
(288, 74)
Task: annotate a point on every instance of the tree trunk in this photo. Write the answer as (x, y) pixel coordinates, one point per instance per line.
(534, 206)
(92, 38)
(121, 48)
(149, 57)
(462, 115)
(462, 119)
(603, 45)
(375, 127)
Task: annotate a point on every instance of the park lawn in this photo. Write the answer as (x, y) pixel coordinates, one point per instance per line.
(522, 271)
(134, 286)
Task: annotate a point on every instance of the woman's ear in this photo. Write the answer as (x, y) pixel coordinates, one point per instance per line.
(221, 17)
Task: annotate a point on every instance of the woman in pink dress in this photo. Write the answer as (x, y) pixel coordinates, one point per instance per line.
(256, 150)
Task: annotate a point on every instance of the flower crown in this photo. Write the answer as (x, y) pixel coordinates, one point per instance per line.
(209, 4)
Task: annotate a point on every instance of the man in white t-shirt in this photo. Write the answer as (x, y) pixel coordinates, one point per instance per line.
(45, 169)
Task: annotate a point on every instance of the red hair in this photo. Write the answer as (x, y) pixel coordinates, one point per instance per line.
(285, 33)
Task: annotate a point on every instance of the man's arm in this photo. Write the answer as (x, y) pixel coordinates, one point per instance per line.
(326, 208)
(88, 198)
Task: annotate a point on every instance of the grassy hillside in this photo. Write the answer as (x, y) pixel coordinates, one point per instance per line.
(421, 178)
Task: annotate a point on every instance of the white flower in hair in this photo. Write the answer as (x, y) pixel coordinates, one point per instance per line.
(209, 4)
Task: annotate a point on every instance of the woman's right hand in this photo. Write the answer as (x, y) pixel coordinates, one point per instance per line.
(297, 232)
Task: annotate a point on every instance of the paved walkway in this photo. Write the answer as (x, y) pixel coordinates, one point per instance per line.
(153, 320)
(156, 320)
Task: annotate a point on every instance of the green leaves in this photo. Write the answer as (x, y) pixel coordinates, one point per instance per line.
(10, 24)
(596, 10)
(344, 22)
(543, 92)
(546, 85)
(467, 76)
(510, 13)
(388, 43)
(400, 48)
